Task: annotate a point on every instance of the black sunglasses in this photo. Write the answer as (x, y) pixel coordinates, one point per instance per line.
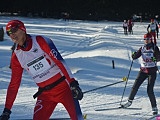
(12, 30)
(147, 39)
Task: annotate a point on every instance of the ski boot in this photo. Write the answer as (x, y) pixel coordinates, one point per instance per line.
(129, 103)
(154, 111)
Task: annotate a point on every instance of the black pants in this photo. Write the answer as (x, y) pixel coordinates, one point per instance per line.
(125, 30)
(130, 30)
(151, 81)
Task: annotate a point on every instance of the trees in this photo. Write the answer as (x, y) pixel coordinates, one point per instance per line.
(82, 9)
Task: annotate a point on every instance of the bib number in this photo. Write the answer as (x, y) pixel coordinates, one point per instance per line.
(38, 65)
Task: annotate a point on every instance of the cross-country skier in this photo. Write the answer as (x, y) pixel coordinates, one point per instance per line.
(150, 55)
(40, 58)
(158, 24)
(130, 26)
(125, 27)
(153, 29)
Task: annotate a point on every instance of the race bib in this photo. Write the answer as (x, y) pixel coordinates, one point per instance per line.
(38, 65)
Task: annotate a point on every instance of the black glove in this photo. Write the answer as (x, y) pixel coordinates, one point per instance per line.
(76, 90)
(6, 114)
(133, 55)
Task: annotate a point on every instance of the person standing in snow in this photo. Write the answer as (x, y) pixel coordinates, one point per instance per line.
(130, 26)
(150, 55)
(153, 29)
(158, 25)
(125, 27)
(40, 58)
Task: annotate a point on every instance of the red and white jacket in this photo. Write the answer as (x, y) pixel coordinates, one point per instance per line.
(43, 62)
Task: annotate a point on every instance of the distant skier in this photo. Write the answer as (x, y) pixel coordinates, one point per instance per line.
(125, 27)
(158, 24)
(1, 33)
(40, 58)
(153, 29)
(150, 55)
(130, 26)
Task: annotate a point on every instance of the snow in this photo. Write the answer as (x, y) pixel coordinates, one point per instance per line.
(89, 49)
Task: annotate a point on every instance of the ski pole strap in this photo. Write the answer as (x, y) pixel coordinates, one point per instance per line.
(48, 87)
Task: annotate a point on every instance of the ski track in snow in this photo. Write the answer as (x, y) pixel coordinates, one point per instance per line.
(88, 48)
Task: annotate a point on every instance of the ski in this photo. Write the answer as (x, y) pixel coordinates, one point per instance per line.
(116, 108)
(154, 116)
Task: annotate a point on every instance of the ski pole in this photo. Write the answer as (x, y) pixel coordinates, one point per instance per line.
(104, 86)
(126, 81)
